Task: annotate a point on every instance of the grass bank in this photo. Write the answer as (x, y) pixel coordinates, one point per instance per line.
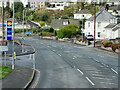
(4, 70)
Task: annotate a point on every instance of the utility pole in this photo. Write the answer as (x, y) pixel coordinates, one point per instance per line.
(3, 20)
(13, 60)
(94, 22)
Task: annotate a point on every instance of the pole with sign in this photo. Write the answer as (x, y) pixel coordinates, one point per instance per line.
(4, 47)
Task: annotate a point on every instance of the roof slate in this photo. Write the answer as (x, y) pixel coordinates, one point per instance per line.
(58, 23)
(102, 15)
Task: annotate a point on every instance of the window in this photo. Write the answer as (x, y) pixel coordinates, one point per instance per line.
(88, 32)
(99, 24)
(98, 34)
(88, 24)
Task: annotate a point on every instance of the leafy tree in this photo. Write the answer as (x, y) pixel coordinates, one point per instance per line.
(42, 23)
(45, 17)
(68, 31)
(51, 30)
(19, 6)
(92, 10)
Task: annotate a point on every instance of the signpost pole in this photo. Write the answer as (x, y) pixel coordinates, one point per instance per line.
(5, 58)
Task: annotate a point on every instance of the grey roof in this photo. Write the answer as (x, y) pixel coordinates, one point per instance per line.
(58, 23)
(116, 7)
(113, 26)
(110, 26)
(84, 11)
(102, 15)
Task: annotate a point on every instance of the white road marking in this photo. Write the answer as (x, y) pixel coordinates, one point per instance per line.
(108, 83)
(73, 58)
(114, 71)
(53, 50)
(59, 55)
(74, 66)
(80, 71)
(103, 78)
(90, 81)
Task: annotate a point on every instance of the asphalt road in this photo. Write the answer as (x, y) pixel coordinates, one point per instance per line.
(66, 65)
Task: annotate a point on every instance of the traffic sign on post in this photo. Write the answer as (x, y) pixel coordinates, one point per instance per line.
(9, 30)
(4, 45)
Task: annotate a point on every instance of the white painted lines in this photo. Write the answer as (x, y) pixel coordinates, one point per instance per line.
(114, 71)
(80, 71)
(53, 50)
(59, 54)
(90, 81)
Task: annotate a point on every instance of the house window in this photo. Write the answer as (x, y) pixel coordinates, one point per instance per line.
(65, 23)
(88, 24)
(98, 34)
(99, 24)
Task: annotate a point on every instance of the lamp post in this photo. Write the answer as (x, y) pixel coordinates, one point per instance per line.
(23, 32)
(13, 61)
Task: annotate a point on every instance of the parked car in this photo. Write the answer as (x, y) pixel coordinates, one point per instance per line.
(89, 37)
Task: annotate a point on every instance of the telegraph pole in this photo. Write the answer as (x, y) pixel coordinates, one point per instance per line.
(94, 22)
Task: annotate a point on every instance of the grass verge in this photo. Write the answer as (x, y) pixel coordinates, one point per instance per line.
(4, 70)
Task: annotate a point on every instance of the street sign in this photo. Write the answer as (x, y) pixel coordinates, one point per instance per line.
(4, 45)
(3, 48)
(9, 30)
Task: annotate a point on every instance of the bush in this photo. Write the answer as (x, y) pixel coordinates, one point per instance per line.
(114, 47)
(107, 44)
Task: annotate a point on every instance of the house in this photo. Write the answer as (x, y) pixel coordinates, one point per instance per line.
(82, 14)
(112, 31)
(59, 23)
(103, 18)
(115, 10)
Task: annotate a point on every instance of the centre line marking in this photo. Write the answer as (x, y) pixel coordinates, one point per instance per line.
(80, 71)
(90, 81)
(114, 71)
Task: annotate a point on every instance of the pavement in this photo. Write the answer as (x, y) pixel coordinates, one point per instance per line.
(23, 73)
(18, 78)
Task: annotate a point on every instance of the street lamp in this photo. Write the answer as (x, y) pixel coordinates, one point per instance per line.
(23, 30)
(13, 61)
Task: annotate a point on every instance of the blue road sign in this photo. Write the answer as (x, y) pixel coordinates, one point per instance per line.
(9, 30)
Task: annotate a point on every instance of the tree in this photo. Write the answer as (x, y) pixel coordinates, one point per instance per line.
(45, 17)
(19, 10)
(42, 23)
(68, 31)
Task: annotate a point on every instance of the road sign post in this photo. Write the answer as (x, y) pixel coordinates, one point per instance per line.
(4, 47)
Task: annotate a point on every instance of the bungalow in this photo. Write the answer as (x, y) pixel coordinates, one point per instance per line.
(103, 18)
(59, 23)
(82, 14)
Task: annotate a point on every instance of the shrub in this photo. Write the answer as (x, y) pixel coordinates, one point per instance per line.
(114, 47)
(107, 44)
